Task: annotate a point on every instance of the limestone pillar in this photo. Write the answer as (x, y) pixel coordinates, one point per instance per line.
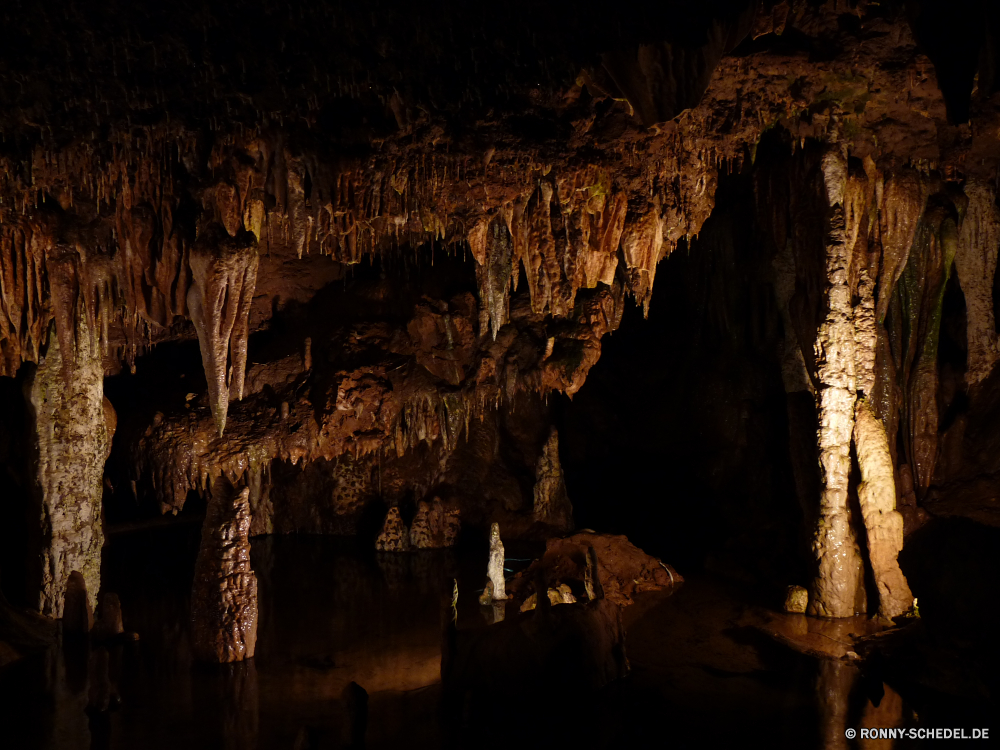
(877, 495)
(837, 590)
(224, 599)
(66, 398)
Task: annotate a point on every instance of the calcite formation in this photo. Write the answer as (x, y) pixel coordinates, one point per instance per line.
(838, 589)
(66, 396)
(223, 278)
(394, 536)
(976, 265)
(300, 195)
(224, 596)
(552, 505)
(877, 497)
(495, 566)
(434, 526)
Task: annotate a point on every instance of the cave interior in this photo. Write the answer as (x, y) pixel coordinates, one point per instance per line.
(459, 375)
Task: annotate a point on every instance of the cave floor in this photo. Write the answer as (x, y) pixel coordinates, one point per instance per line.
(702, 669)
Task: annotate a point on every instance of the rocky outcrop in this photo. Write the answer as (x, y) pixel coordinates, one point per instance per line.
(623, 569)
(224, 597)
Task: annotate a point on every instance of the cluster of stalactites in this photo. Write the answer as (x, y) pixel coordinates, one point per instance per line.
(223, 279)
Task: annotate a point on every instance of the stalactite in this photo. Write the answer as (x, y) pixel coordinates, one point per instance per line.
(224, 275)
(976, 264)
(903, 200)
(66, 394)
(224, 596)
(865, 334)
(493, 250)
(877, 496)
(837, 590)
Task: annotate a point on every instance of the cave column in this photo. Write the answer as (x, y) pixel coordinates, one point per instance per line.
(837, 590)
(877, 497)
(72, 437)
(224, 598)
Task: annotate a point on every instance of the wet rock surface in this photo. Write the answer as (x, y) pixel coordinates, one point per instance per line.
(224, 597)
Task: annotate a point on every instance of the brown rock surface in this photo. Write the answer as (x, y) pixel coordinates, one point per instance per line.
(224, 596)
(623, 568)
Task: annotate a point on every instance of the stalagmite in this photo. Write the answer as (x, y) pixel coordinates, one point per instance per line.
(877, 496)
(224, 275)
(976, 265)
(494, 570)
(224, 598)
(552, 504)
(434, 526)
(836, 590)
(394, 536)
(66, 394)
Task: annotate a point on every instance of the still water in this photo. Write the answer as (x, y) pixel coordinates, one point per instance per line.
(333, 614)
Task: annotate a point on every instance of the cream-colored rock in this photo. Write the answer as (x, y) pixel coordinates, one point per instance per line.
(494, 570)
(865, 334)
(976, 264)
(224, 597)
(837, 590)
(796, 599)
(877, 496)
(66, 396)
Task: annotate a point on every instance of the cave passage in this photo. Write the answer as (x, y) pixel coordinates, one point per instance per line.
(533, 374)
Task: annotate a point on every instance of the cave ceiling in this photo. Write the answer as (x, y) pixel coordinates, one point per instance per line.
(183, 172)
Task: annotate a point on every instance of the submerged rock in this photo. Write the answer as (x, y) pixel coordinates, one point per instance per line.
(622, 571)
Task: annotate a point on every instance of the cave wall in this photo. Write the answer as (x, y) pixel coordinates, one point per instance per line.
(388, 269)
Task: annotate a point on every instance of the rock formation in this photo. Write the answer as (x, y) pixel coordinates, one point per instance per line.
(495, 567)
(552, 505)
(434, 526)
(877, 496)
(838, 590)
(66, 394)
(224, 597)
(394, 536)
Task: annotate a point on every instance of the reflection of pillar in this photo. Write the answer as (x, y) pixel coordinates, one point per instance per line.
(837, 589)
(238, 699)
(833, 691)
(224, 599)
(877, 495)
(888, 713)
(66, 396)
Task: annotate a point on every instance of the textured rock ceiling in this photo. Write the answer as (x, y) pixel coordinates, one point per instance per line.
(176, 173)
